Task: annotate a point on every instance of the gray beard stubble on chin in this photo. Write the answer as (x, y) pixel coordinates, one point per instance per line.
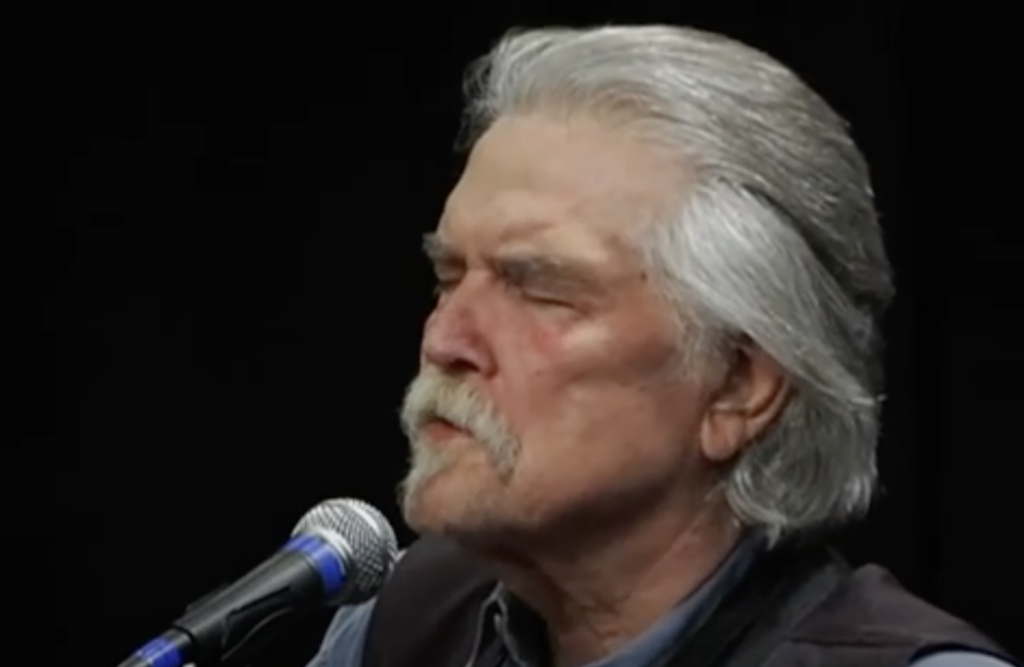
(434, 395)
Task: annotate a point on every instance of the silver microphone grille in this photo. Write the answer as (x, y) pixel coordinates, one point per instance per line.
(363, 536)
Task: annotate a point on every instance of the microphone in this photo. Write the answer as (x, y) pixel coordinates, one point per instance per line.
(340, 552)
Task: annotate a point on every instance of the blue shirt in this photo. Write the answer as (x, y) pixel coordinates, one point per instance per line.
(503, 614)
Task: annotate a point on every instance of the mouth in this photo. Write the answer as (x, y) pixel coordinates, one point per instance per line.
(438, 428)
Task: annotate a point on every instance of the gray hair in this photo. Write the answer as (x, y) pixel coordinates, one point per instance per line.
(777, 243)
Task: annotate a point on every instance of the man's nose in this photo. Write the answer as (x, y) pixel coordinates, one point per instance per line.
(454, 336)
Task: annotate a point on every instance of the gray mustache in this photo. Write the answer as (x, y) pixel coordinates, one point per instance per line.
(434, 395)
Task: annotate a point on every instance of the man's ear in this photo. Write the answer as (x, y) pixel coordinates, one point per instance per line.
(753, 392)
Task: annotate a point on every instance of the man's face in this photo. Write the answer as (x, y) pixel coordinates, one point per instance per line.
(549, 390)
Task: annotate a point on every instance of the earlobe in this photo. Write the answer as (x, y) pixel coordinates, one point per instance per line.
(753, 393)
(721, 437)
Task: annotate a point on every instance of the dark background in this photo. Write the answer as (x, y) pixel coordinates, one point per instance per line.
(226, 302)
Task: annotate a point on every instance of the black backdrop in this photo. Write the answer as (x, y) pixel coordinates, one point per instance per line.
(230, 295)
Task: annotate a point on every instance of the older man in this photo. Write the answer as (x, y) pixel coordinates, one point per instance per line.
(650, 380)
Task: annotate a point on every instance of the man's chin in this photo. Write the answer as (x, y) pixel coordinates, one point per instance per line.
(416, 490)
(442, 504)
(423, 504)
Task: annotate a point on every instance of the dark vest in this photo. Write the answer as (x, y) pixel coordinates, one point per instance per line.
(427, 616)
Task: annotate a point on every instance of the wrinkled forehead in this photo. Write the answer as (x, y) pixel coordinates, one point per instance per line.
(503, 223)
(563, 185)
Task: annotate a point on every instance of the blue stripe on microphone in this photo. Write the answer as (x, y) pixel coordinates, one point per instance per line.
(161, 653)
(324, 558)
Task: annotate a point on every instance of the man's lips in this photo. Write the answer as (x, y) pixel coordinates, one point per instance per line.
(442, 429)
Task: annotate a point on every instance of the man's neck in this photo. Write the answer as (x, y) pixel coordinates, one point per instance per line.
(596, 600)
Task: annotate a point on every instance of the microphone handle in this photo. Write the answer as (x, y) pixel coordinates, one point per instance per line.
(222, 623)
(168, 650)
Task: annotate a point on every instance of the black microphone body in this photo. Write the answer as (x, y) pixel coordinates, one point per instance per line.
(345, 560)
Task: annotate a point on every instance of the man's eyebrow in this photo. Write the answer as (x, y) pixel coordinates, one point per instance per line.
(523, 268)
(546, 270)
(437, 250)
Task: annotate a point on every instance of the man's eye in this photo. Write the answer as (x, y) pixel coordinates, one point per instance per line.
(541, 298)
(548, 301)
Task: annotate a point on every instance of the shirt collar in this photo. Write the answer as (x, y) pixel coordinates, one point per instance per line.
(522, 635)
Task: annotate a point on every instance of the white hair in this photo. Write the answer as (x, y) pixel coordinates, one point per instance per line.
(777, 242)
